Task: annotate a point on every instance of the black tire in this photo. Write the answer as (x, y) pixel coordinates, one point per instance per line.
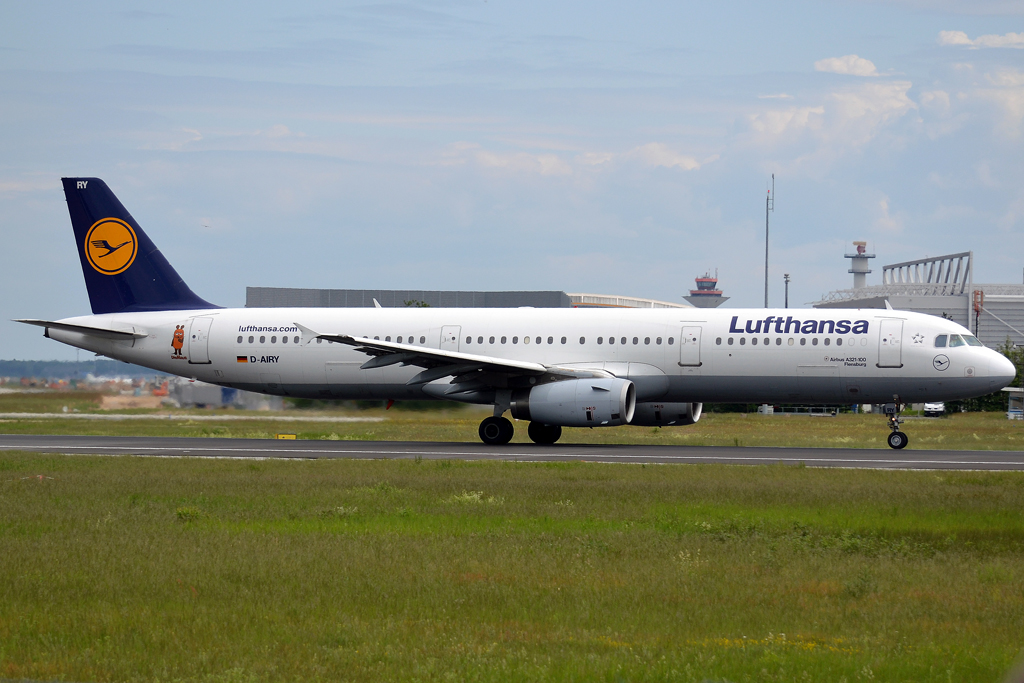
(496, 431)
(898, 440)
(544, 434)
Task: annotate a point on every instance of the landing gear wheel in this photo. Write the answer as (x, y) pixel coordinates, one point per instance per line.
(544, 434)
(496, 431)
(898, 440)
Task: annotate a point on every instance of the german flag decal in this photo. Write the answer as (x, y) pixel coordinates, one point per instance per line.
(243, 359)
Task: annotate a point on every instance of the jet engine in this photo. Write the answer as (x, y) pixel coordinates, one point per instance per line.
(666, 414)
(598, 402)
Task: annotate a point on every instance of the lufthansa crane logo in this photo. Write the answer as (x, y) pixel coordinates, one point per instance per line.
(111, 246)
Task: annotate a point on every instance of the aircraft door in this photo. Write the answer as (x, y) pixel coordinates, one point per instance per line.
(450, 337)
(689, 347)
(199, 341)
(890, 346)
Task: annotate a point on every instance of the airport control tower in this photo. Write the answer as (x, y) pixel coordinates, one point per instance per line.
(707, 294)
(859, 264)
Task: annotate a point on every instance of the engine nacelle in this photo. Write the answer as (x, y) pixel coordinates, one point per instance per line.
(666, 414)
(598, 402)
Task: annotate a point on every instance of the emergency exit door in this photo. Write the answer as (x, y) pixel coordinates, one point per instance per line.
(890, 344)
(199, 341)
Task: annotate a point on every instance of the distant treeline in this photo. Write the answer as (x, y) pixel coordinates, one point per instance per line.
(69, 369)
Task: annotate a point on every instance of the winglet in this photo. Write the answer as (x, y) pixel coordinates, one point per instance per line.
(888, 305)
(376, 304)
(308, 334)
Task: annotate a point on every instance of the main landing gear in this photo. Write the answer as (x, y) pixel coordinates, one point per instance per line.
(498, 431)
(896, 438)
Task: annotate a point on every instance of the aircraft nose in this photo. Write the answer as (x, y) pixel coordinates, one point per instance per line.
(1001, 369)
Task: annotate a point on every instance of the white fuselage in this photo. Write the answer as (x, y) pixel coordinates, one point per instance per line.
(698, 355)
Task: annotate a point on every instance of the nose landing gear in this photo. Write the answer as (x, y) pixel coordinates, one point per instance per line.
(896, 438)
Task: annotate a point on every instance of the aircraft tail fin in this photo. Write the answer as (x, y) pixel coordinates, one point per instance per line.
(124, 271)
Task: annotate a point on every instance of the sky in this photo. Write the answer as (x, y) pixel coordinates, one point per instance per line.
(616, 148)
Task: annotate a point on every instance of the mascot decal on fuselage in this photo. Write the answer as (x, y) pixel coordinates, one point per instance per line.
(177, 341)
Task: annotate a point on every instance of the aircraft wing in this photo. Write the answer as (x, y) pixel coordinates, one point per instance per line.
(101, 332)
(467, 368)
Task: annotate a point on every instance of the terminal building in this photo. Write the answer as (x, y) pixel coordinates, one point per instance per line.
(942, 286)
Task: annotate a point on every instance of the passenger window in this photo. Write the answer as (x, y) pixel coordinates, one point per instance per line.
(250, 339)
(839, 341)
(399, 340)
(423, 340)
(778, 342)
(730, 341)
(490, 340)
(636, 341)
(622, 341)
(479, 340)
(826, 341)
(583, 340)
(387, 338)
(377, 338)
(814, 342)
(469, 340)
(718, 341)
(940, 341)
(657, 340)
(671, 341)
(273, 340)
(803, 341)
(526, 340)
(504, 339)
(790, 342)
(551, 340)
(515, 340)
(284, 340)
(263, 340)
(647, 340)
(239, 339)
(956, 340)
(538, 340)
(743, 341)
(563, 340)
(600, 340)
(753, 341)
(296, 340)
(611, 340)
(318, 340)
(767, 341)
(972, 341)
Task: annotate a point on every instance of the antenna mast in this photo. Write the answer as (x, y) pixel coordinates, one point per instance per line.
(769, 206)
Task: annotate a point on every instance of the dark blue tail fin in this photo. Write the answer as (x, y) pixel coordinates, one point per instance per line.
(124, 271)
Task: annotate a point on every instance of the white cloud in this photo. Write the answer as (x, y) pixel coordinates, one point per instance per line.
(658, 154)
(780, 96)
(1008, 94)
(885, 220)
(848, 118)
(851, 65)
(520, 162)
(1014, 40)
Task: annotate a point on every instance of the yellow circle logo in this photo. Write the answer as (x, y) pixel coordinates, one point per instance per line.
(110, 246)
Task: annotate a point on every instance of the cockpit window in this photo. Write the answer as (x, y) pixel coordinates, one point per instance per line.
(940, 341)
(956, 340)
(972, 340)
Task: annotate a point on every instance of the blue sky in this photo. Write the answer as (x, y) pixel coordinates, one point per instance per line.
(603, 147)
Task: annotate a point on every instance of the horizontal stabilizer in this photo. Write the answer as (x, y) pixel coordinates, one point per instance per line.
(101, 332)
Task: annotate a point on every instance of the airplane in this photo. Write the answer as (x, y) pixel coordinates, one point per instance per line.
(551, 367)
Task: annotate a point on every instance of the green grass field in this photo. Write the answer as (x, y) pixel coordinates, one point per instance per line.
(152, 569)
(972, 431)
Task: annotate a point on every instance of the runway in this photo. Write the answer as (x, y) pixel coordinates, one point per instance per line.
(726, 455)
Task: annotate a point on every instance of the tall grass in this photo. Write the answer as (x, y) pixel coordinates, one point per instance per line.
(121, 569)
